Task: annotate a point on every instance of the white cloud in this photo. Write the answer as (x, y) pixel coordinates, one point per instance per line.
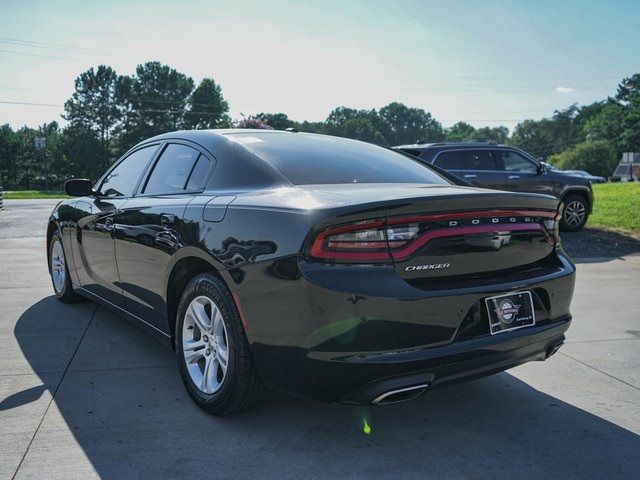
(564, 89)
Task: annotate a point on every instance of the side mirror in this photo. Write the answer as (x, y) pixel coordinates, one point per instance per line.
(542, 168)
(78, 187)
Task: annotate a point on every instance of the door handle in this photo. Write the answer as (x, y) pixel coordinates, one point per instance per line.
(470, 176)
(514, 177)
(167, 220)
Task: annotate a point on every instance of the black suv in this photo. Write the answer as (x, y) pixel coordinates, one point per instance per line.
(508, 168)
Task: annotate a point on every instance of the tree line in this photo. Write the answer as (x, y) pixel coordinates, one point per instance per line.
(108, 113)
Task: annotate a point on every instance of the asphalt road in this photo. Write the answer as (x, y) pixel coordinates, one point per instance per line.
(85, 394)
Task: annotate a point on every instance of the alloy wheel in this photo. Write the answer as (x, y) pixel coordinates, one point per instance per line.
(58, 267)
(205, 344)
(574, 213)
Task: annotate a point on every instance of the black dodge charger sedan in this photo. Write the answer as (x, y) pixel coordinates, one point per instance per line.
(314, 265)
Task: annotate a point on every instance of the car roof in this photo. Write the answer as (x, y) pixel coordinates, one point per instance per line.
(238, 166)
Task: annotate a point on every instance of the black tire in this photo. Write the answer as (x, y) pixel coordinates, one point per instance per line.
(241, 388)
(64, 290)
(574, 214)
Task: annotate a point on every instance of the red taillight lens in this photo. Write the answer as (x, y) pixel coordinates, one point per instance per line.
(359, 241)
(362, 241)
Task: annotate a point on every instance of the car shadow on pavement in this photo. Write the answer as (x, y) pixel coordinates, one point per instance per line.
(596, 245)
(130, 417)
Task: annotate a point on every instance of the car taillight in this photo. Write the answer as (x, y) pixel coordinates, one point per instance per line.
(553, 228)
(398, 238)
(369, 240)
(359, 241)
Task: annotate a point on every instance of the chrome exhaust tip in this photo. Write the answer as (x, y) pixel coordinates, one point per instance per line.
(400, 395)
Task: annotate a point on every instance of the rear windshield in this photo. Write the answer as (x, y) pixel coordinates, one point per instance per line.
(306, 159)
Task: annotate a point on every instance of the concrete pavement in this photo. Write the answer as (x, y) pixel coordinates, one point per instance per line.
(85, 394)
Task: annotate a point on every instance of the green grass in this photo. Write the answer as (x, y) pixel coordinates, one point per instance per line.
(616, 206)
(30, 194)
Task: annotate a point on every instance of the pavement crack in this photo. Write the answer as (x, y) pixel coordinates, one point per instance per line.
(600, 371)
(55, 391)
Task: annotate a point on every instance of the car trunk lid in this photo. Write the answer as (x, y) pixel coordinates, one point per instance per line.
(439, 232)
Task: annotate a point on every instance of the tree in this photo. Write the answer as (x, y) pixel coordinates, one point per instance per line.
(279, 121)
(207, 107)
(597, 158)
(564, 130)
(534, 136)
(602, 121)
(460, 132)
(361, 128)
(9, 148)
(29, 162)
(57, 167)
(628, 88)
(155, 100)
(492, 134)
(312, 127)
(253, 122)
(629, 95)
(94, 106)
(357, 124)
(401, 125)
(631, 125)
(77, 148)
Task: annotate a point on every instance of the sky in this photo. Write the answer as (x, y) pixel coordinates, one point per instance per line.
(483, 62)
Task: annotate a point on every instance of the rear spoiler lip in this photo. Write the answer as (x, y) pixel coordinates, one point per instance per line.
(446, 203)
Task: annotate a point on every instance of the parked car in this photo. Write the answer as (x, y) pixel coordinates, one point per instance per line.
(587, 175)
(508, 168)
(314, 265)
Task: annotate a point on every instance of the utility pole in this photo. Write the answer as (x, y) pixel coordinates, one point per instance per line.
(40, 144)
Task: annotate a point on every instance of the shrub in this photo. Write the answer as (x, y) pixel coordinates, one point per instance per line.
(597, 158)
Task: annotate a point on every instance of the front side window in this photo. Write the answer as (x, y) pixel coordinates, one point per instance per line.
(480, 160)
(514, 162)
(122, 180)
(450, 160)
(172, 170)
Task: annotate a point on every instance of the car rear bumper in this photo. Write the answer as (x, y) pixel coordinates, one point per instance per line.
(467, 360)
(351, 334)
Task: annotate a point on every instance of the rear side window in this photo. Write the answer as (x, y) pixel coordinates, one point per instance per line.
(450, 160)
(122, 180)
(306, 159)
(172, 169)
(480, 160)
(196, 180)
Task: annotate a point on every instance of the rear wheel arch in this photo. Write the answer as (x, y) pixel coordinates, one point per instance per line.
(184, 269)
